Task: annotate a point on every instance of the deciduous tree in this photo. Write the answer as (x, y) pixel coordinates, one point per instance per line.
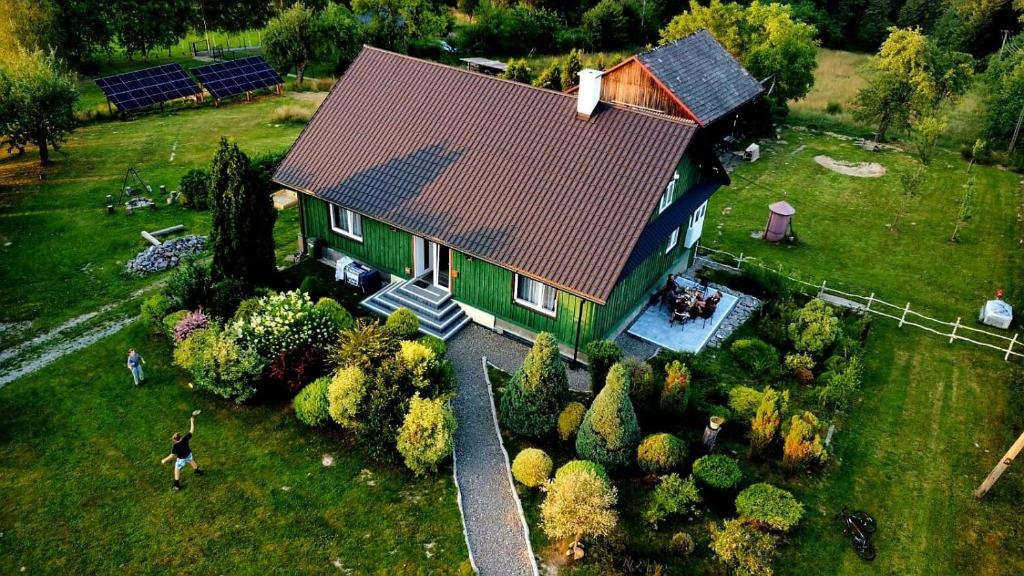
(578, 503)
(392, 23)
(288, 41)
(37, 103)
(910, 77)
(765, 38)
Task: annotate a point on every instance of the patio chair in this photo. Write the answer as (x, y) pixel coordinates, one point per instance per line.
(708, 312)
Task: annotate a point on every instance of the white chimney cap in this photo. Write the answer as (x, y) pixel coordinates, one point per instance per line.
(589, 93)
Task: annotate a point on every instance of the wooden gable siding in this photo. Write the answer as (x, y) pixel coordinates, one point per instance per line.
(489, 287)
(631, 84)
(382, 247)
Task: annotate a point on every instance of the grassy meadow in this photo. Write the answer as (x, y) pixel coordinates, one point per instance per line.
(84, 492)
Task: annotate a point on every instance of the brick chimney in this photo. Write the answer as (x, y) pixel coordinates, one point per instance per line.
(589, 93)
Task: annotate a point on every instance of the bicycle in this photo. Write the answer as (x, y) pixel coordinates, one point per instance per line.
(859, 526)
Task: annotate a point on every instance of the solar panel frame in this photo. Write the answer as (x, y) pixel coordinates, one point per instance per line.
(141, 88)
(234, 77)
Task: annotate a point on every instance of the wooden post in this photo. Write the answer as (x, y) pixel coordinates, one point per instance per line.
(870, 300)
(1000, 467)
(739, 261)
(952, 335)
(822, 289)
(904, 317)
(1010, 348)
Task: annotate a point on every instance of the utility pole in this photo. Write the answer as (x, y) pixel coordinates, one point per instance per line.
(1000, 467)
(1016, 131)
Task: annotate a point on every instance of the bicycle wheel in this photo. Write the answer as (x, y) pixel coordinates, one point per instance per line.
(865, 521)
(866, 551)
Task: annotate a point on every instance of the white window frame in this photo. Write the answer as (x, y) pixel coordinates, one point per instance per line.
(673, 241)
(350, 220)
(669, 195)
(532, 306)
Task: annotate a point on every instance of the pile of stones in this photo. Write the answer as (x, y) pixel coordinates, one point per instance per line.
(166, 255)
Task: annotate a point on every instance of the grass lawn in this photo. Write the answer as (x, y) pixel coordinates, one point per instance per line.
(65, 254)
(930, 425)
(841, 222)
(84, 491)
(932, 420)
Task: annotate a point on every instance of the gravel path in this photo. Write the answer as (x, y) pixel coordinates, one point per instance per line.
(52, 354)
(496, 531)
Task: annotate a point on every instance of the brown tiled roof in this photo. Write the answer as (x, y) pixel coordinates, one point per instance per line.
(499, 170)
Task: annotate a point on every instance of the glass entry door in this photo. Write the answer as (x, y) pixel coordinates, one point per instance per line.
(441, 260)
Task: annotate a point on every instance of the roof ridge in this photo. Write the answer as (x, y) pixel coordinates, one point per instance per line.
(629, 109)
(678, 40)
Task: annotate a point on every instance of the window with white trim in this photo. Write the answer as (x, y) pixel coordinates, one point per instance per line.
(346, 222)
(669, 195)
(672, 240)
(535, 295)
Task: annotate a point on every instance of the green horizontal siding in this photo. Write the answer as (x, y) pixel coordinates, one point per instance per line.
(382, 247)
(489, 287)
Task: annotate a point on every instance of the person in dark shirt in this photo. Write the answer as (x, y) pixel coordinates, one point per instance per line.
(181, 453)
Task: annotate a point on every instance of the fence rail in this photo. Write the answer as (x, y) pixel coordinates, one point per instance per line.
(903, 314)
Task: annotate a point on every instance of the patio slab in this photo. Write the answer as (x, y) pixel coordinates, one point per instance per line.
(653, 326)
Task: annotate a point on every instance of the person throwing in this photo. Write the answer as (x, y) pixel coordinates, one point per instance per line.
(181, 453)
(135, 363)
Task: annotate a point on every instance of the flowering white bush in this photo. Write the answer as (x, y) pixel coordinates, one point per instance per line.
(285, 322)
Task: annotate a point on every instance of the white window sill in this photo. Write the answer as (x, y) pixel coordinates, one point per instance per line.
(538, 309)
(348, 235)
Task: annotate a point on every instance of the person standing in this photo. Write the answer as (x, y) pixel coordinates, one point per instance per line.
(181, 453)
(135, 362)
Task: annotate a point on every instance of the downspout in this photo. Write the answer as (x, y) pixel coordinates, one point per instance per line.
(302, 225)
(579, 326)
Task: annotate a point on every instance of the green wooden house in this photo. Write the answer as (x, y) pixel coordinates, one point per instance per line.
(489, 201)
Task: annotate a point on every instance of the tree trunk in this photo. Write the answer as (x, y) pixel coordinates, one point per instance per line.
(300, 72)
(44, 151)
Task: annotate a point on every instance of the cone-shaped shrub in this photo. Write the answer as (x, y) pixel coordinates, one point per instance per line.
(764, 429)
(610, 433)
(803, 445)
(676, 394)
(533, 398)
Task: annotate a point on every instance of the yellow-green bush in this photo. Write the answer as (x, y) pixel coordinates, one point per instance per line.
(532, 467)
(311, 406)
(348, 385)
(570, 419)
(660, 453)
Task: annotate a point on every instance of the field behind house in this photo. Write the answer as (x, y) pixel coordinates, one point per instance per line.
(933, 417)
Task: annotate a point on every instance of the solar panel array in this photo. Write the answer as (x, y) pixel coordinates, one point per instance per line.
(142, 88)
(233, 77)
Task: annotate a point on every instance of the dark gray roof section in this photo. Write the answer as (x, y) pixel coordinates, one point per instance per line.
(703, 75)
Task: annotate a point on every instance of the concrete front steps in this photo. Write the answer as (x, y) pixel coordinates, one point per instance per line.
(439, 315)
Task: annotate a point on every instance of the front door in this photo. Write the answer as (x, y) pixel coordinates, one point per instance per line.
(423, 257)
(442, 261)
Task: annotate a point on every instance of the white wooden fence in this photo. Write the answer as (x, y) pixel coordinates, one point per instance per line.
(903, 314)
